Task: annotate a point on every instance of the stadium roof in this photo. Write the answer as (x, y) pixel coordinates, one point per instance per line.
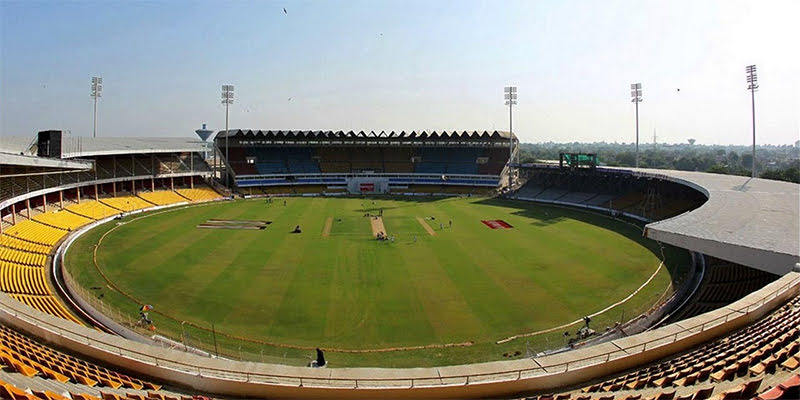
(17, 159)
(16, 144)
(87, 147)
(473, 135)
(749, 221)
(80, 146)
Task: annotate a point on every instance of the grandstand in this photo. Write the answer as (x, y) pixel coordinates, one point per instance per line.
(736, 334)
(276, 162)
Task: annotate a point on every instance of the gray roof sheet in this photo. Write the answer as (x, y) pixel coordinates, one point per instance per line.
(749, 221)
(15, 144)
(87, 146)
(34, 161)
(80, 146)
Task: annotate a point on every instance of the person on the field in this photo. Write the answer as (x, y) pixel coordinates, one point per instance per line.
(319, 362)
(451, 223)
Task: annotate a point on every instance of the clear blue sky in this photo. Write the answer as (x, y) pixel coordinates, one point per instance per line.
(404, 65)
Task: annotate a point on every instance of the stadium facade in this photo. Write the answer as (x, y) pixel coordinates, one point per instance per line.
(264, 162)
(46, 196)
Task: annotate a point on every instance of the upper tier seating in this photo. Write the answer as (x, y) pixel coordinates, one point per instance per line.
(273, 160)
(397, 160)
(448, 161)
(308, 160)
(497, 161)
(239, 163)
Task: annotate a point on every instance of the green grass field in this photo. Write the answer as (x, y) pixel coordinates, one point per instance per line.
(267, 289)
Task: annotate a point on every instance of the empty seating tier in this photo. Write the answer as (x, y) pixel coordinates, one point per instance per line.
(21, 279)
(24, 247)
(34, 232)
(161, 198)
(31, 358)
(22, 257)
(47, 304)
(734, 366)
(126, 203)
(199, 194)
(92, 209)
(19, 244)
(62, 220)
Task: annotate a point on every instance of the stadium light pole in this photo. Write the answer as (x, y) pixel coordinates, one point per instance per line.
(96, 93)
(752, 86)
(227, 100)
(636, 98)
(510, 96)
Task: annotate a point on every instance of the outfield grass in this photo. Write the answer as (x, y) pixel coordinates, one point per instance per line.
(467, 283)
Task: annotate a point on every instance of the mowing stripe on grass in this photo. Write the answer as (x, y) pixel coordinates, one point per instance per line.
(349, 293)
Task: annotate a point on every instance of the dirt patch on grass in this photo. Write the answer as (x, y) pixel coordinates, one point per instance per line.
(326, 231)
(377, 226)
(426, 226)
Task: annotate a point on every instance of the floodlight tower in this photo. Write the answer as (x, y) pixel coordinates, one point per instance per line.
(752, 86)
(636, 98)
(96, 93)
(510, 95)
(227, 100)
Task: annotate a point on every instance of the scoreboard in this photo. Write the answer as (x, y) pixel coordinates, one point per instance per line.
(577, 160)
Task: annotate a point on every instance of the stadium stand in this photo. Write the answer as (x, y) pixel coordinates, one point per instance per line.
(608, 189)
(66, 221)
(92, 209)
(755, 351)
(161, 198)
(126, 203)
(48, 304)
(18, 278)
(31, 358)
(199, 194)
(24, 247)
(723, 283)
(34, 232)
(19, 244)
(265, 160)
(733, 367)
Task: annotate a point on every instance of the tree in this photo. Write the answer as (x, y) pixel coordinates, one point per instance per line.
(691, 141)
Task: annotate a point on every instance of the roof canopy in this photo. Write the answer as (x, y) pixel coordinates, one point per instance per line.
(748, 221)
(382, 135)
